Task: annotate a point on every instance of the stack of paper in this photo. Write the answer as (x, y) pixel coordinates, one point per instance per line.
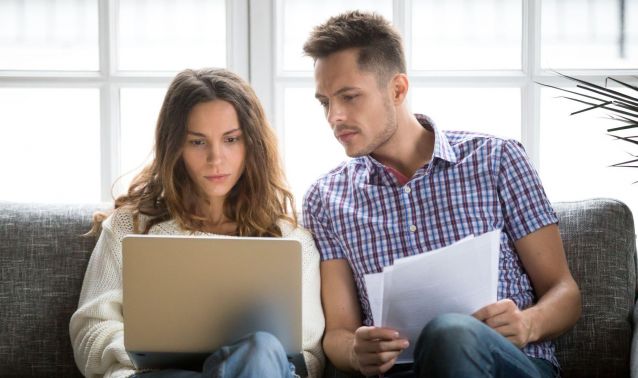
(459, 278)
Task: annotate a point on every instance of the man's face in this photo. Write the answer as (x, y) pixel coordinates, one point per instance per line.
(360, 113)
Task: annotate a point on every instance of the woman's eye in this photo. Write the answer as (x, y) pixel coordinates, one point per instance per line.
(232, 139)
(197, 142)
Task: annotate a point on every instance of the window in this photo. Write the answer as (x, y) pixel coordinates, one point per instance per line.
(598, 39)
(45, 148)
(45, 35)
(82, 82)
(473, 65)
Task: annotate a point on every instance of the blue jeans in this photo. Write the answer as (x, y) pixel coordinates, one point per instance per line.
(454, 345)
(256, 355)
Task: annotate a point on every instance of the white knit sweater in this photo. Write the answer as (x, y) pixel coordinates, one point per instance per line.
(96, 328)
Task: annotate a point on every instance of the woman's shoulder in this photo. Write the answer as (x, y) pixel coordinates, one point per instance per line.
(122, 222)
(119, 219)
(288, 230)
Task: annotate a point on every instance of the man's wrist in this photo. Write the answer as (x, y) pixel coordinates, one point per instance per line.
(353, 359)
(531, 315)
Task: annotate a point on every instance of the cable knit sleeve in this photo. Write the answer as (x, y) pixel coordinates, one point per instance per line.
(96, 327)
(313, 319)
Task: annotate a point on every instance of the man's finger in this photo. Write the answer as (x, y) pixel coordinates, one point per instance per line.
(377, 333)
(492, 309)
(394, 345)
(379, 346)
(499, 320)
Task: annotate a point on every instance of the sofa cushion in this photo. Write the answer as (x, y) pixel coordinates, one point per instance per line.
(42, 262)
(599, 241)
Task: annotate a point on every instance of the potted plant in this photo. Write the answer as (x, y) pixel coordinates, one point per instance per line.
(620, 107)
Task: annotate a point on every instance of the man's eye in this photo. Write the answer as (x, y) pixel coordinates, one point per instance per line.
(323, 104)
(349, 97)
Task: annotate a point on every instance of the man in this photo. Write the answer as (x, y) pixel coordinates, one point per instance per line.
(410, 188)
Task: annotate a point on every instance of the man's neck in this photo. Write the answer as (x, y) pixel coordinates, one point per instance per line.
(409, 148)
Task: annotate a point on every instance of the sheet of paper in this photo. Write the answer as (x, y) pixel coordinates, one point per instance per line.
(408, 259)
(374, 286)
(459, 278)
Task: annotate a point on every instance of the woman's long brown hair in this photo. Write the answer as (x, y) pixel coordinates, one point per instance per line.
(164, 190)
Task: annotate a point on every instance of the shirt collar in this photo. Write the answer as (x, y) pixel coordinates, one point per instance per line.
(442, 148)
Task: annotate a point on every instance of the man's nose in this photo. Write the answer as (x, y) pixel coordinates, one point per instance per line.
(336, 114)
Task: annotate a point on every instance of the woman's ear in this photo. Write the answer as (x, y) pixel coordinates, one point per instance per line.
(399, 87)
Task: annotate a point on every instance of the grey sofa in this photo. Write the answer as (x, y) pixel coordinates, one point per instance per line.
(43, 257)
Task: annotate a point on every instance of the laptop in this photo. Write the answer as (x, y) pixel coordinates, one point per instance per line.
(185, 296)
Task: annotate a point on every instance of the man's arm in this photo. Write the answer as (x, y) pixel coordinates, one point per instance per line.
(559, 303)
(349, 345)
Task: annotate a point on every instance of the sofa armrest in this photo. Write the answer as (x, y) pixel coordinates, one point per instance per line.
(599, 240)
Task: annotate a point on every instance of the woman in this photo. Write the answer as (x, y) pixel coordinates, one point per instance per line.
(216, 171)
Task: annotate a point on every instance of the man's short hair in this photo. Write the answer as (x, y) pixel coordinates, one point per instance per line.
(380, 44)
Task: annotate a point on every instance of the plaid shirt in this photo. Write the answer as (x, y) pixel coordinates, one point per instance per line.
(474, 183)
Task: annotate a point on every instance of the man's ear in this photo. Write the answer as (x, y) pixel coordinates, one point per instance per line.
(399, 88)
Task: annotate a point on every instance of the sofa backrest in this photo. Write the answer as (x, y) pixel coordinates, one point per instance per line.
(600, 244)
(42, 259)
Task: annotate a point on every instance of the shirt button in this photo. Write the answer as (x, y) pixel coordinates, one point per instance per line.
(412, 228)
(407, 189)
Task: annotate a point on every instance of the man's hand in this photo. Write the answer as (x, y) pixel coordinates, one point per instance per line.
(506, 318)
(375, 349)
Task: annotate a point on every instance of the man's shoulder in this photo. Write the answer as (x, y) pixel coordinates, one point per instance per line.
(334, 184)
(342, 173)
(458, 137)
(466, 143)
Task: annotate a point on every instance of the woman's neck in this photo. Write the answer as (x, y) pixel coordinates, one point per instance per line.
(217, 222)
(225, 228)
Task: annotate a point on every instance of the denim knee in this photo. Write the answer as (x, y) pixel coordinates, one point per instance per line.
(451, 327)
(450, 334)
(258, 354)
(265, 342)
(451, 344)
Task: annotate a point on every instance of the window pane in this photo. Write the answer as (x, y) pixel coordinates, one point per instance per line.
(171, 35)
(50, 146)
(310, 149)
(300, 16)
(589, 34)
(49, 35)
(495, 111)
(576, 154)
(466, 34)
(139, 111)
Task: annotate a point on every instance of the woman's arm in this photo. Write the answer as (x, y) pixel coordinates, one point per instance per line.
(96, 328)
(313, 319)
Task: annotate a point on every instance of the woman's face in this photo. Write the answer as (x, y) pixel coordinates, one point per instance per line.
(214, 151)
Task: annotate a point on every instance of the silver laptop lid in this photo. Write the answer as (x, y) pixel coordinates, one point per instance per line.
(189, 294)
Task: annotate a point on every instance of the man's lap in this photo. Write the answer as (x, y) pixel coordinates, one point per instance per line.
(469, 339)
